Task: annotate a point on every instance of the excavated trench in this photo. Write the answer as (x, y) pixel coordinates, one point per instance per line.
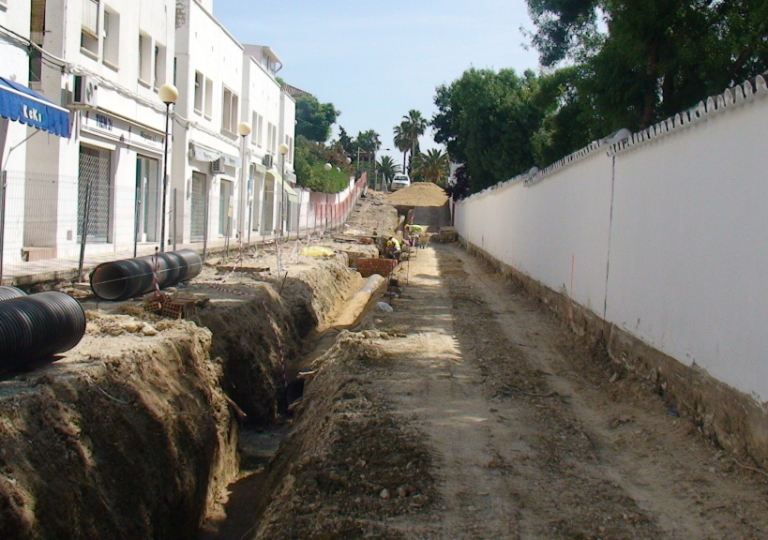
(159, 428)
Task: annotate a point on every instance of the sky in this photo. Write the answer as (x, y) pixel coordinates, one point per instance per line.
(376, 60)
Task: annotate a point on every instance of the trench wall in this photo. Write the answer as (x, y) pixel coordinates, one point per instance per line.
(660, 236)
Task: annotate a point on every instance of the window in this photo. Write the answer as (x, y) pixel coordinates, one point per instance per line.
(89, 35)
(208, 98)
(90, 17)
(111, 29)
(199, 89)
(160, 75)
(229, 110)
(271, 138)
(257, 124)
(145, 42)
(289, 144)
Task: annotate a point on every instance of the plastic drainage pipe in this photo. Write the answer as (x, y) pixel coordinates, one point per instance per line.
(129, 278)
(37, 326)
(6, 293)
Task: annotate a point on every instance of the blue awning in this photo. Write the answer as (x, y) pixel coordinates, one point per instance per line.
(22, 104)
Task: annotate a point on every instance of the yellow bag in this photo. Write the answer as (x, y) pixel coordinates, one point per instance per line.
(318, 252)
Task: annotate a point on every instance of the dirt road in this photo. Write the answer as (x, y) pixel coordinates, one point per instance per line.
(531, 435)
(470, 412)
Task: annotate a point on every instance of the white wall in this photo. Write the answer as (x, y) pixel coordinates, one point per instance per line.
(685, 251)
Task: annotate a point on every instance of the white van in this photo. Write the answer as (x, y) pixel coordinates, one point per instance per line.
(400, 181)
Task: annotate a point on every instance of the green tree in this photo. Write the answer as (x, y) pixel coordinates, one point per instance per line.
(314, 119)
(310, 158)
(487, 121)
(401, 140)
(387, 168)
(434, 166)
(658, 57)
(346, 142)
(459, 186)
(413, 125)
(368, 143)
(570, 121)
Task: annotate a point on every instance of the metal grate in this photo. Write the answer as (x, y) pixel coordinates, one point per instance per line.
(94, 194)
(197, 209)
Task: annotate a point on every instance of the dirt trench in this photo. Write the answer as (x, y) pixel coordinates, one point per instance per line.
(134, 433)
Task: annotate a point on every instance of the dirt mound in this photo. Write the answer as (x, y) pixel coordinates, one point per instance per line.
(349, 465)
(419, 194)
(116, 441)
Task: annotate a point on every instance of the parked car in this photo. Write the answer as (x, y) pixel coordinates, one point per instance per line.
(400, 181)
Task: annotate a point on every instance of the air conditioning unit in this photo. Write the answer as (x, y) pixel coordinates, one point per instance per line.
(85, 91)
(217, 166)
(267, 161)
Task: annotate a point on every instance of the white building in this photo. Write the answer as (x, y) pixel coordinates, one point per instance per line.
(272, 114)
(227, 175)
(23, 114)
(97, 172)
(107, 60)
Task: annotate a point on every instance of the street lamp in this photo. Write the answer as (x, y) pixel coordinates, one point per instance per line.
(243, 129)
(168, 94)
(282, 150)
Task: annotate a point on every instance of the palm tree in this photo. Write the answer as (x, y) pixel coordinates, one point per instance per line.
(434, 166)
(402, 142)
(388, 168)
(415, 126)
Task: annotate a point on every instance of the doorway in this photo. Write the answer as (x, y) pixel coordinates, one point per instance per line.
(148, 197)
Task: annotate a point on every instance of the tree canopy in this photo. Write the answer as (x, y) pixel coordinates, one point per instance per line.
(487, 121)
(658, 57)
(432, 166)
(314, 119)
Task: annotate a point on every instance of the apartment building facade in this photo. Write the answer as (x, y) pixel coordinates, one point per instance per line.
(102, 62)
(106, 59)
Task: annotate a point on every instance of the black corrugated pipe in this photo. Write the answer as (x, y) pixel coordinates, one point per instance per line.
(129, 278)
(37, 326)
(6, 293)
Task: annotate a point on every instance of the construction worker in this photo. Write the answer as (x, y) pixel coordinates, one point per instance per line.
(393, 248)
(414, 232)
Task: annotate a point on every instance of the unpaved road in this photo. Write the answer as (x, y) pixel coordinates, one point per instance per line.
(531, 436)
(471, 412)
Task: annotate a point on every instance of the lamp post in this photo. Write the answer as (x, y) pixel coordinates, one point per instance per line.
(168, 94)
(282, 150)
(243, 129)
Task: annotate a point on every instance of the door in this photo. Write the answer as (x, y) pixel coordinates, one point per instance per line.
(94, 185)
(268, 213)
(225, 208)
(198, 208)
(148, 199)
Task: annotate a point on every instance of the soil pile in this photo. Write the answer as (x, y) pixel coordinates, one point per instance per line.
(125, 438)
(350, 465)
(419, 194)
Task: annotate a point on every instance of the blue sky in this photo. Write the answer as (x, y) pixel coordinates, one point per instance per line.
(378, 59)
